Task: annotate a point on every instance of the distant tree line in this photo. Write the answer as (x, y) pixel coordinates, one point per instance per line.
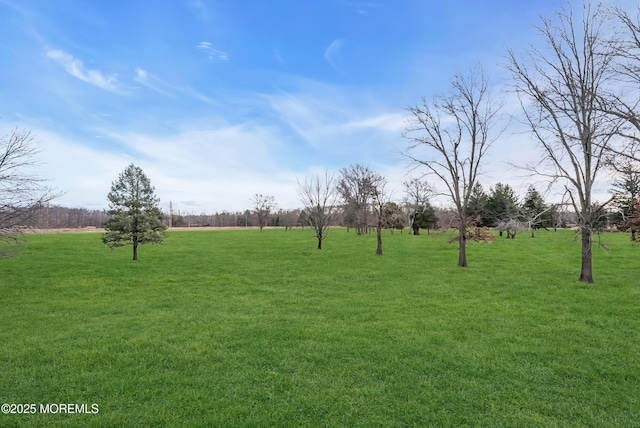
(494, 208)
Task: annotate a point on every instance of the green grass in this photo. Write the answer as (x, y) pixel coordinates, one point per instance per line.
(238, 328)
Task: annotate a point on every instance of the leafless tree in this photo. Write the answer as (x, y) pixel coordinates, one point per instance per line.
(560, 89)
(533, 219)
(22, 193)
(511, 226)
(355, 187)
(320, 199)
(449, 138)
(263, 205)
(622, 100)
(417, 194)
(394, 217)
(379, 199)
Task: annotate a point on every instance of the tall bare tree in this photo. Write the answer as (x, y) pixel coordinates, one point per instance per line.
(263, 205)
(622, 100)
(355, 187)
(320, 198)
(379, 200)
(417, 194)
(449, 137)
(560, 88)
(22, 194)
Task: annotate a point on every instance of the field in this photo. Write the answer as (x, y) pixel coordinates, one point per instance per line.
(238, 328)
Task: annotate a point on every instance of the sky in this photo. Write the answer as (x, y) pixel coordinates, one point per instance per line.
(219, 100)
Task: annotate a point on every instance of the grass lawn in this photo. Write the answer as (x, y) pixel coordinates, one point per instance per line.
(238, 328)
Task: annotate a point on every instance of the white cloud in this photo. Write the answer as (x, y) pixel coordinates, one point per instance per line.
(152, 82)
(200, 10)
(280, 58)
(363, 8)
(212, 53)
(76, 68)
(198, 170)
(332, 54)
(160, 86)
(392, 122)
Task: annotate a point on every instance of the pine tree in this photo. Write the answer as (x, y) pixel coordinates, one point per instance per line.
(478, 208)
(535, 212)
(134, 215)
(424, 218)
(502, 204)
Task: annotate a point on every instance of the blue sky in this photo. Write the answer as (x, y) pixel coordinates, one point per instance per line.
(219, 100)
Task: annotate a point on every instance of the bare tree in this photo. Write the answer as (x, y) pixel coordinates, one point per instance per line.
(320, 199)
(263, 205)
(22, 194)
(417, 194)
(560, 90)
(449, 138)
(621, 100)
(355, 187)
(394, 217)
(379, 199)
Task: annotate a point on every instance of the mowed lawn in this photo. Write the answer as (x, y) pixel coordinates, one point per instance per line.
(237, 328)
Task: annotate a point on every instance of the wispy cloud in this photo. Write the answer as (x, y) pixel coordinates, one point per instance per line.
(160, 86)
(212, 53)
(200, 10)
(363, 8)
(392, 122)
(76, 68)
(150, 81)
(332, 53)
(280, 58)
(200, 170)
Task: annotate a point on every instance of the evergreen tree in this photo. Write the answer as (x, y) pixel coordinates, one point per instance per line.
(424, 218)
(134, 215)
(535, 212)
(303, 219)
(502, 204)
(477, 207)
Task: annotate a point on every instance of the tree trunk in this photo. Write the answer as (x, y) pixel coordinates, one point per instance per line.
(533, 232)
(416, 232)
(633, 235)
(586, 272)
(135, 250)
(462, 258)
(319, 236)
(379, 236)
